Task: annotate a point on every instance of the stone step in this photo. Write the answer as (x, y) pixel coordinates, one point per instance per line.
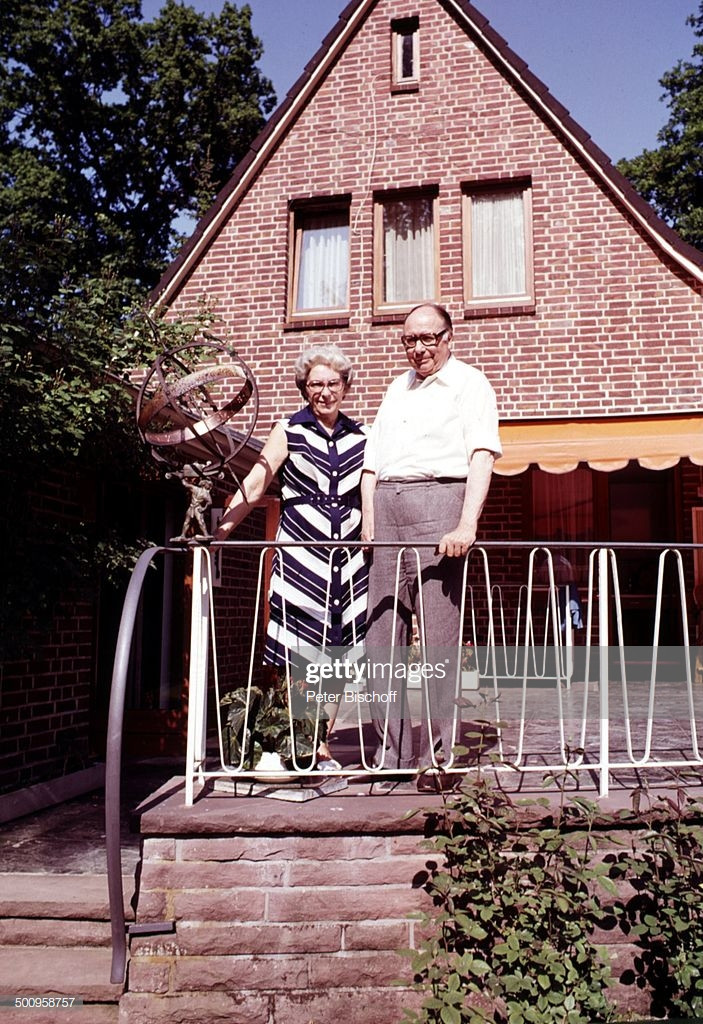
(56, 896)
(31, 971)
(31, 931)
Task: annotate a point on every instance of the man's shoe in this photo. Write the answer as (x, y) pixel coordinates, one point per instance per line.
(437, 782)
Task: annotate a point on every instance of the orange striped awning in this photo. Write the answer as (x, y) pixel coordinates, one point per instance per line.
(558, 446)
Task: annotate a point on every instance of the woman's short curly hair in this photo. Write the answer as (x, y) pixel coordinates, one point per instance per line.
(326, 355)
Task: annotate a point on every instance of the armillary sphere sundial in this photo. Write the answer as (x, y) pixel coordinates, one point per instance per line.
(186, 408)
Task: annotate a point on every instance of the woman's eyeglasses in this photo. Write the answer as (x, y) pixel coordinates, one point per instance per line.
(318, 386)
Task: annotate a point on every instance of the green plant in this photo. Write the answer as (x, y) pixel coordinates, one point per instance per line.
(263, 723)
(510, 938)
(664, 915)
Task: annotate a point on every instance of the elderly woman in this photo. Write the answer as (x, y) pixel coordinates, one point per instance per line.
(318, 595)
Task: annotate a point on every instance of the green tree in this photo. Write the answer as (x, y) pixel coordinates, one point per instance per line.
(671, 177)
(111, 129)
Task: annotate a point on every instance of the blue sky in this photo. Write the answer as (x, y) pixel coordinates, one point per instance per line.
(601, 58)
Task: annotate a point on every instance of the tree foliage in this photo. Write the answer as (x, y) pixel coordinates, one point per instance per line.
(671, 177)
(111, 128)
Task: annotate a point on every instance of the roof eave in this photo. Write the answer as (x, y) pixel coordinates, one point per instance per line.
(686, 256)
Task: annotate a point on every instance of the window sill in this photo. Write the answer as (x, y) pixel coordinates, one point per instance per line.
(401, 87)
(509, 309)
(395, 316)
(316, 322)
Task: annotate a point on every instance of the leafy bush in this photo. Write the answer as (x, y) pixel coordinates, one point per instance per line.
(517, 901)
(664, 915)
(515, 909)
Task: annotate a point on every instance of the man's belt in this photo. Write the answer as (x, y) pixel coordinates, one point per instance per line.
(423, 480)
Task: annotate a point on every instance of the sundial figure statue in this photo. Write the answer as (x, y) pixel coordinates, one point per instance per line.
(185, 411)
(200, 489)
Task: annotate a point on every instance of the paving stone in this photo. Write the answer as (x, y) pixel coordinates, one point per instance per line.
(88, 1013)
(196, 1008)
(23, 931)
(372, 1006)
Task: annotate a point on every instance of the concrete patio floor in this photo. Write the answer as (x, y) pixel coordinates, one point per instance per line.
(70, 837)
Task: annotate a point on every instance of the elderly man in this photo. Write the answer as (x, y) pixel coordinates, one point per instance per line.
(427, 471)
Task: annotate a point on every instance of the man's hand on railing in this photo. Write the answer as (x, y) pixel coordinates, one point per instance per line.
(457, 543)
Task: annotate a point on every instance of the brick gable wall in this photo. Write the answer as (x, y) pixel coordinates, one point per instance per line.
(616, 328)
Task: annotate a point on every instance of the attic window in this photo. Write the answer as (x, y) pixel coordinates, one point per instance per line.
(405, 54)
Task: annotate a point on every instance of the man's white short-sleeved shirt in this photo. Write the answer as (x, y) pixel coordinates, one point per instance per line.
(430, 427)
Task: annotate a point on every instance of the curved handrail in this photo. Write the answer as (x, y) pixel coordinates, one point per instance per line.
(113, 764)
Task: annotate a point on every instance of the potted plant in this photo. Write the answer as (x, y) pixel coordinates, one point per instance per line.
(469, 667)
(263, 730)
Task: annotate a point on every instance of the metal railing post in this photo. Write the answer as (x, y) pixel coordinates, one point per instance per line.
(568, 641)
(603, 637)
(197, 677)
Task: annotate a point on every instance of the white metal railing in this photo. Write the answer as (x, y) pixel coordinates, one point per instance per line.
(532, 687)
(534, 678)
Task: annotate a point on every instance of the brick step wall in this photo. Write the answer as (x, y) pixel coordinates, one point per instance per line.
(284, 914)
(55, 940)
(289, 913)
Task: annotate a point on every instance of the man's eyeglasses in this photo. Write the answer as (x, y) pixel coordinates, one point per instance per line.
(426, 340)
(318, 386)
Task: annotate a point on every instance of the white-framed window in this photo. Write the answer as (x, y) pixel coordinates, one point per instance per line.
(319, 277)
(405, 248)
(498, 244)
(405, 51)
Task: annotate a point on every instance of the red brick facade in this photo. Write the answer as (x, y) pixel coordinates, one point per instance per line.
(45, 702)
(614, 322)
(616, 326)
(46, 692)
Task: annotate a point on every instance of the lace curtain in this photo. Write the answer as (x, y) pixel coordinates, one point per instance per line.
(408, 249)
(497, 244)
(323, 268)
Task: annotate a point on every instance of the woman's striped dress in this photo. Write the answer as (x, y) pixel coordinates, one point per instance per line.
(318, 596)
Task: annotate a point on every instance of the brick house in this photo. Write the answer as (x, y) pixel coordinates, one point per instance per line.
(418, 157)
